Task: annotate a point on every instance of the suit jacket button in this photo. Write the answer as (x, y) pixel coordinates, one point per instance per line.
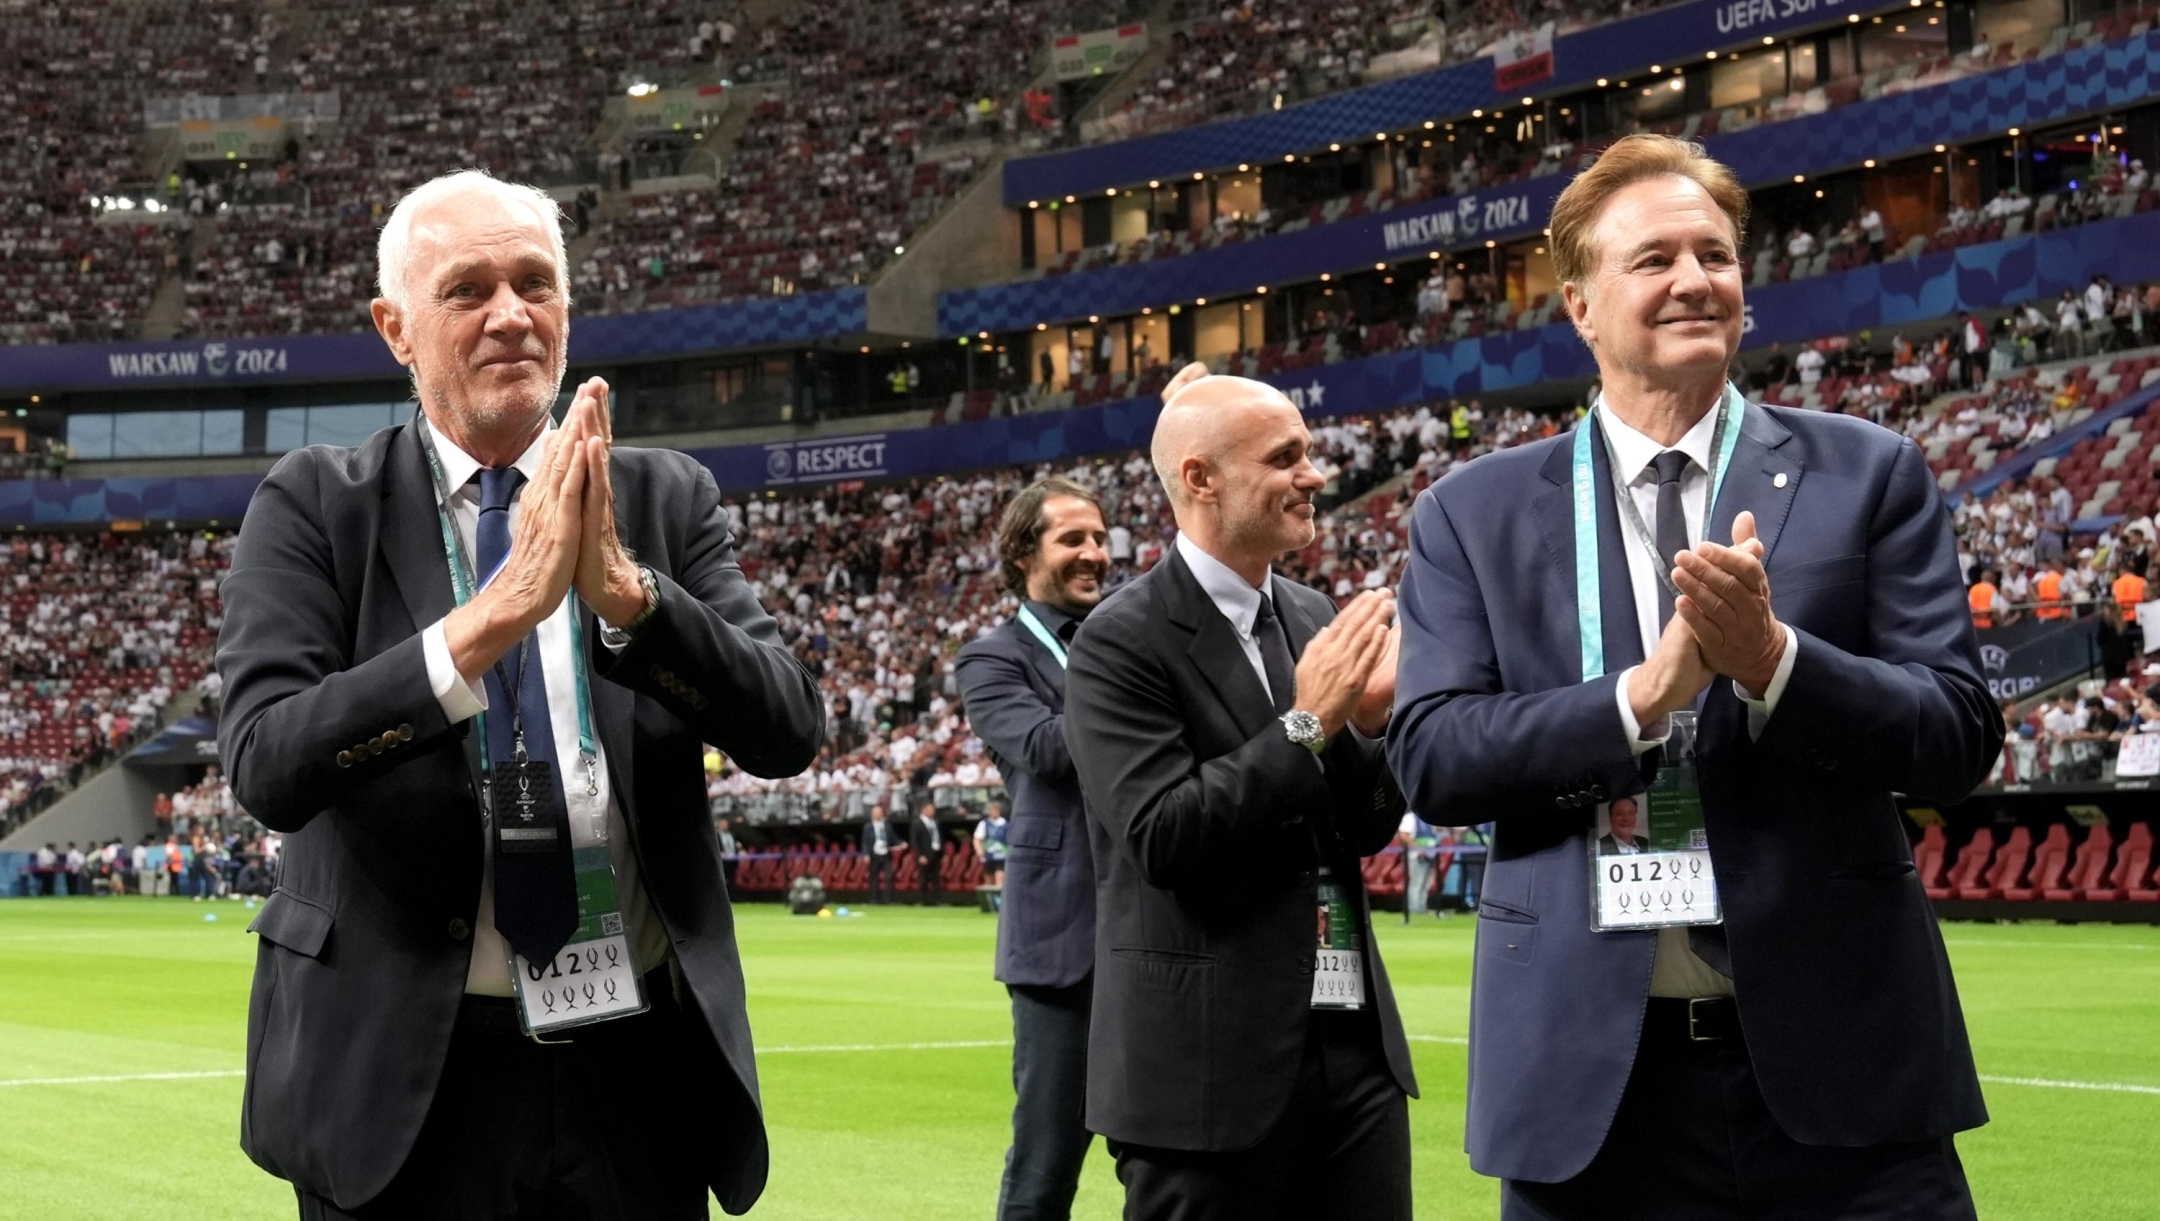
(459, 930)
(1561, 801)
(1597, 792)
(344, 758)
(404, 733)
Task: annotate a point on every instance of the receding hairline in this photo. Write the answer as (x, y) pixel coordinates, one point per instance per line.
(415, 210)
(435, 215)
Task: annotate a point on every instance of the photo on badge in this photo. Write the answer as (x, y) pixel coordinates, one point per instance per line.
(1620, 827)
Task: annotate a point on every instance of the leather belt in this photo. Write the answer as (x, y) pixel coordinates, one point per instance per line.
(497, 1016)
(1703, 1019)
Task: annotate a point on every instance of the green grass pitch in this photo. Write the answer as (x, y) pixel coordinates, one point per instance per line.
(886, 1078)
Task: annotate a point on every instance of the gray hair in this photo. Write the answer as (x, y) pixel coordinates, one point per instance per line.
(393, 250)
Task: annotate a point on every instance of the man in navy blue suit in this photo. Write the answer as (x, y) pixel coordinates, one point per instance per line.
(1784, 584)
(1012, 680)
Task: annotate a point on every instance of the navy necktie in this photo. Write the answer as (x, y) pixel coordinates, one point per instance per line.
(1671, 529)
(1267, 630)
(535, 891)
(1707, 940)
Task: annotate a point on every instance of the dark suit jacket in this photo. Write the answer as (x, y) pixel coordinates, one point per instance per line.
(366, 941)
(1208, 825)
(1014, 692)
(918, 838)
(1852, 1019)
(1608, 845)
(893, 839)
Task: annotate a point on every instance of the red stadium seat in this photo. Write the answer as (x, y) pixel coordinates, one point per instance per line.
(2133, 866)
(2007, 871)
(1972, 861)
(2049, 862)
(1928, 862)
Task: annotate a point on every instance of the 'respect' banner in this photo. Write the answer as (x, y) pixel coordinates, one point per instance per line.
(1617, 48)
(1935, 286)
(360, 355)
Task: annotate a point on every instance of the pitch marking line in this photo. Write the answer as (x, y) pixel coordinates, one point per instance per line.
(220, 1072)
(2112, 1087)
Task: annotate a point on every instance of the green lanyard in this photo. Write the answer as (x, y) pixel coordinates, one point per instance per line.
(1589, 612)
(1044, 634)
(462, 588)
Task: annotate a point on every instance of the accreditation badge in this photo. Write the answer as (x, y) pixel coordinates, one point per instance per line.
(1338, 955)
(1649, 855)
(592, 978)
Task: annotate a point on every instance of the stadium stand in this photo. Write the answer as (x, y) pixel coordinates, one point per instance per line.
(98, 634)
(1230, 59)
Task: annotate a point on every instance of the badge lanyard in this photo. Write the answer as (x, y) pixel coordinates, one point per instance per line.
(1589, 613)
(463, 586)
(593, 977)
(1667, 880)
(1049, 639)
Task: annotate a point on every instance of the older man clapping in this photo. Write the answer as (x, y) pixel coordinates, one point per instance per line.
(1590, 619)
(499, 971)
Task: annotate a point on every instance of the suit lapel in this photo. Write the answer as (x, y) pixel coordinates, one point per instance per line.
(1298, 623)
(1050, 677)
(1215, 650)
(1554, 511)
(412, 546)
(411, 539)
(1753, 484)
(1616, 586)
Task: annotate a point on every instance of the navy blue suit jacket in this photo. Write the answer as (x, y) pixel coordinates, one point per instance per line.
(1014, 691)
(1844, 991)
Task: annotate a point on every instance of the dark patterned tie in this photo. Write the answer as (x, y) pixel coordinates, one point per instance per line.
(1671, 529)
(1707, 940)
(535, 891)
(1274, 644)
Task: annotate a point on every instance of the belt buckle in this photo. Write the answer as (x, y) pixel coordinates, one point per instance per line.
(1694, 1022)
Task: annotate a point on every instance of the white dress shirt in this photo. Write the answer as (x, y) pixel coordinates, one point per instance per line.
(1238, 601)
(489, 972)
(1679, 971)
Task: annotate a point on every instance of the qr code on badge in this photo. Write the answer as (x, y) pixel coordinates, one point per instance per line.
(1698, 839)
(611, 924)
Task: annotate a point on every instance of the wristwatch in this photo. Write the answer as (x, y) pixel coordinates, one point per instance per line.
(1303, 728)
(619, 637)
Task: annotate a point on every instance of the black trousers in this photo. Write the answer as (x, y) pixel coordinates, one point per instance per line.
(881, 878)
(1694, 1141)
(929, 886)
(1050, 1136)
(1340, 1151)
(602, 1127)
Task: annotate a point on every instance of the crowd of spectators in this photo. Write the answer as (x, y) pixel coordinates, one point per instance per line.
(98, 635)
(877, 588)
(77, 77)
(1236, 57)
(828, 177)
(232, 858)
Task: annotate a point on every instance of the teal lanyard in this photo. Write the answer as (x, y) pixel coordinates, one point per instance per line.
(1049, 639)
(1589, 611)
(462, 588)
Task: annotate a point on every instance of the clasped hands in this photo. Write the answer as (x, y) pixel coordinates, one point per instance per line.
(565, 538)
(1347, 674)
(1722, 624)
